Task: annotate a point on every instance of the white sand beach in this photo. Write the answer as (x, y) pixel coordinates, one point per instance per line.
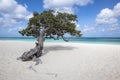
(60, 61)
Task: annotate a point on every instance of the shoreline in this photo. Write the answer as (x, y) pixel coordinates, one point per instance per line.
(88, 40)
(62, 42)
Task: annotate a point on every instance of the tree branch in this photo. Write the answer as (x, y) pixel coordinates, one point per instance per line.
(64, 38)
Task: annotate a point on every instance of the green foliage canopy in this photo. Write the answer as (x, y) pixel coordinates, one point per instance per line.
(51, 25)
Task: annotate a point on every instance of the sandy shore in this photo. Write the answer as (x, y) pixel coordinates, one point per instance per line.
(61, 61)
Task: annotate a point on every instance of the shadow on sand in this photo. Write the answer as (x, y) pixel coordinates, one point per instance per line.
(47, 49)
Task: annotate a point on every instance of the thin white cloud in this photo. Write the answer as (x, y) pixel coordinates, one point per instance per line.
(103, 30)
(109, 16)
(114, 27)
(111, 28)
(65, 5)
(15, 29)
(11, 12)
(88, 29)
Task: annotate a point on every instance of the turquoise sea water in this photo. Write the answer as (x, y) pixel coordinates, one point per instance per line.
(91, 40)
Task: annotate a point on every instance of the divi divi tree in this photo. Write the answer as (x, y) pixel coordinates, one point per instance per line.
(48, 24)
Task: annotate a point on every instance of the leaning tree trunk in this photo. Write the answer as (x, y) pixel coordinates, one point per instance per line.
(35, 52)
(40, 45)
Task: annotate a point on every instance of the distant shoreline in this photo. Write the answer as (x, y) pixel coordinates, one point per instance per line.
(88, 40)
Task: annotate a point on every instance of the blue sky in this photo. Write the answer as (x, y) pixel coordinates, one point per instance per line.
(96, 18)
